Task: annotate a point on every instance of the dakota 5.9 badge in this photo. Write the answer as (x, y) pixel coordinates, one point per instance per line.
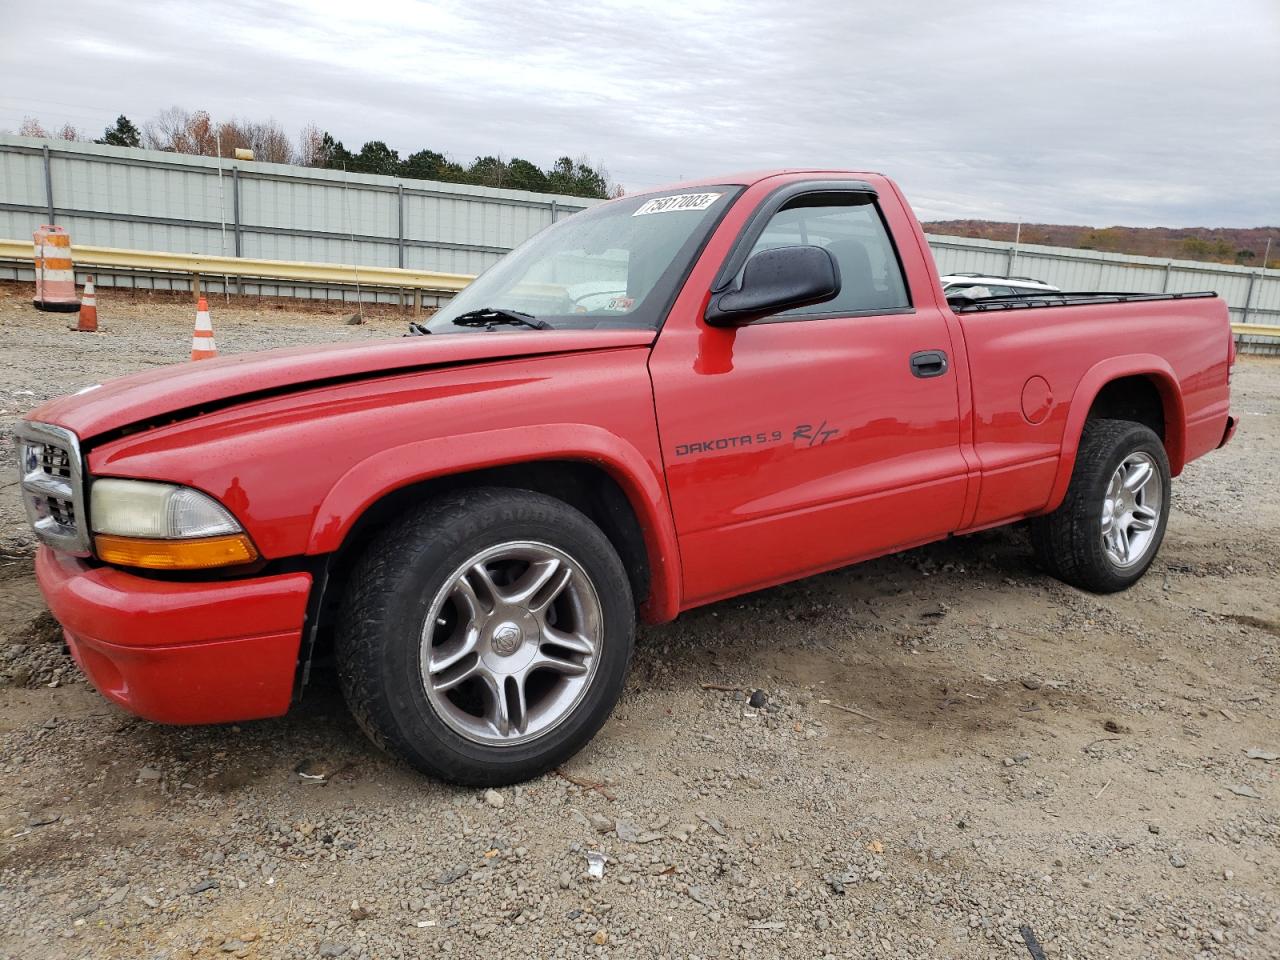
(802, 436)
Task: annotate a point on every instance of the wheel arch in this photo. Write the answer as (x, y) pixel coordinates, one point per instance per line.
(1140, 387)
(585, 466)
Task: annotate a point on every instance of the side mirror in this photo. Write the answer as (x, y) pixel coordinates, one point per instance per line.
(775, 280)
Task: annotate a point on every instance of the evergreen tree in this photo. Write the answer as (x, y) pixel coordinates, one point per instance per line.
(376, 157)
(332, 155)
(430, 165)
(523, 175)
(123, 134)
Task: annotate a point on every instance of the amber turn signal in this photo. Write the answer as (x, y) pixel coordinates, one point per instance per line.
(195, 554)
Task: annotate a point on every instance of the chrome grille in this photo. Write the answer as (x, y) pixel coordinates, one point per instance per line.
(53, 486)
(56, 461)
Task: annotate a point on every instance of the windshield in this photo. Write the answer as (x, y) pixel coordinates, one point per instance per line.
(614, 265)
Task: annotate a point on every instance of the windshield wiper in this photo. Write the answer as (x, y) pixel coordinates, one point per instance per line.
(491, 317)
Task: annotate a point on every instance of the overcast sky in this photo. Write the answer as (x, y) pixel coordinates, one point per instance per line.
(1160, 112)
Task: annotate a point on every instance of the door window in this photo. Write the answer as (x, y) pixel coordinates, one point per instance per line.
(850, 227)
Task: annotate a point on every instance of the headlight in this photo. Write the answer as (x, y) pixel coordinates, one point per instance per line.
(163, 526)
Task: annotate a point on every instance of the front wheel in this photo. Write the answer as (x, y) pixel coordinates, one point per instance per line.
(1110, 525)
(485, 639)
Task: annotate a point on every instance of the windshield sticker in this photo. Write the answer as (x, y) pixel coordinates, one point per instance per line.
(676, 204)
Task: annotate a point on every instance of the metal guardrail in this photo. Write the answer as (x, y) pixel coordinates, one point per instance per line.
(1256, 330)
(197, 265)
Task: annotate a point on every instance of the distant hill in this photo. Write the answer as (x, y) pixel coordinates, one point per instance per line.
(1215, 244)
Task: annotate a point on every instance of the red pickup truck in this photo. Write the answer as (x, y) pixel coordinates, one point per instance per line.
(662, 401)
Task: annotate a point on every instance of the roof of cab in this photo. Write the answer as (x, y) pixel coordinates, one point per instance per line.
(751, 177)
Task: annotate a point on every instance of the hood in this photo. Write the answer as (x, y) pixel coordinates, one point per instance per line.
(191, 387)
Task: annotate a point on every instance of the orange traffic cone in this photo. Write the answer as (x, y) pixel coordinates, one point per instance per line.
(88, 322)
(202, 345)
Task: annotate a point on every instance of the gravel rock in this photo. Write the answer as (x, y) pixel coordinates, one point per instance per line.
(632, 833)
(452, 875)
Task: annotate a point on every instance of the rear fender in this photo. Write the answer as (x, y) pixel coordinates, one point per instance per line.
(1098, 376)
(389, 470)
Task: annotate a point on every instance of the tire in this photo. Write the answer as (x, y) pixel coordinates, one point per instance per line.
(498, 690)
(1071, 542)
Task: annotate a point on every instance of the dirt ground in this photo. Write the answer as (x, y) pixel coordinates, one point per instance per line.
(953, 750)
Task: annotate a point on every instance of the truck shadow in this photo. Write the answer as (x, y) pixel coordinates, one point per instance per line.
(913, 643)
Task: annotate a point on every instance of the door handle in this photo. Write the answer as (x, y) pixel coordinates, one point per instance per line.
(929, 363)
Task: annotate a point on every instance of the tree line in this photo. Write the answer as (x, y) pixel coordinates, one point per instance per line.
(195, 132)
(1238, 245)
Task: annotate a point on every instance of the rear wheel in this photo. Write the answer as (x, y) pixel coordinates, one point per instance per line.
(486, 638)
(1109, 527)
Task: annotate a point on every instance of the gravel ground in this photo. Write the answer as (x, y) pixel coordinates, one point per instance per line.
(947, 749)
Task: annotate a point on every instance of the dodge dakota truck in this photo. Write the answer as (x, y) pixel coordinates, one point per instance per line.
(659, 402)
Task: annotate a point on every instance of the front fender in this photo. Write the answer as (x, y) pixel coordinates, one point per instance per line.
(1098, 376)
(391, 469)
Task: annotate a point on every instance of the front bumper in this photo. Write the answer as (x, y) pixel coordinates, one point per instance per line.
(173, 652)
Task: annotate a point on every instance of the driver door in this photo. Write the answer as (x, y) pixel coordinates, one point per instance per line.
(810, 439)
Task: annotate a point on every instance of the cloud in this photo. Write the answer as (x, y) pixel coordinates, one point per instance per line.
(1151, 113)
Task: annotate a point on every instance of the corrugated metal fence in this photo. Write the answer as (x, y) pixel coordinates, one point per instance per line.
(147, 200)
(1252, 294)
(144, 200)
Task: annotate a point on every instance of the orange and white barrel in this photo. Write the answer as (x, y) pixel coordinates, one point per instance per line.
(55, 271)
(202, 345)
